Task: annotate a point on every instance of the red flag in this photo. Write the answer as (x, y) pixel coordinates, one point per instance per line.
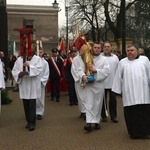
(62, 46)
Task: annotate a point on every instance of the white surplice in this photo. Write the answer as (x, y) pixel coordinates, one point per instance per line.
(44, 75)
(113, 63)
(76, 63)
(132, 79)
(2, 82)
(94, 91)
(29, 85)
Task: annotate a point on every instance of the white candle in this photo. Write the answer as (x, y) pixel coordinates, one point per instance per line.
(41, 44)
(37, 48)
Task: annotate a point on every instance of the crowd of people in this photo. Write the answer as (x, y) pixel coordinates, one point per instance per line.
(95, 78)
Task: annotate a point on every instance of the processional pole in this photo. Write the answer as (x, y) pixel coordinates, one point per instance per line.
(24, 44)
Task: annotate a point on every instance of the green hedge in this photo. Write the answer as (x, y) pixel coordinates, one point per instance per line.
(5, 99)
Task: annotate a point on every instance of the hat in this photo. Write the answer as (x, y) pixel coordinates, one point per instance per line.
(79, 42)
(73, 49)
(54, 50)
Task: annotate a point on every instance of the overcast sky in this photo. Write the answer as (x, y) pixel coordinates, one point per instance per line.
(61, 14)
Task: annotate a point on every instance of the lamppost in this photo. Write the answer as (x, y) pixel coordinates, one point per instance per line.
(57, 9)
(4, 33)
(66, 10)
(123, 27)
(55, 4)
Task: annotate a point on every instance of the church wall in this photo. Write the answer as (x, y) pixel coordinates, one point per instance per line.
(45, 24)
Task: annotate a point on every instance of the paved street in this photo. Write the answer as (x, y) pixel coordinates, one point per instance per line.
(62, 129)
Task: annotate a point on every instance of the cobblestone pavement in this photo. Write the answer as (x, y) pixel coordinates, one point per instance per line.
(62, 129)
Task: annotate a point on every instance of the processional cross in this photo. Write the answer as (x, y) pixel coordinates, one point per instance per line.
(25, 41)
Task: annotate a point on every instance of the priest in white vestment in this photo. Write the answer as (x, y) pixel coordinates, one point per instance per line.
(132, 81)
(29, 86)
(2, 82)
(94, 91)
(44, 75)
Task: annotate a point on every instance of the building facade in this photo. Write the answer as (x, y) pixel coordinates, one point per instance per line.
(45, 23)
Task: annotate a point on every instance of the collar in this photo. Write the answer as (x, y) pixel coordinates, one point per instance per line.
(107, 55)
(96, 54)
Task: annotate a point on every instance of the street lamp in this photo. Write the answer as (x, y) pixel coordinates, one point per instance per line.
(123, 27)
(66, 10)
(55, 4)
(56, 10)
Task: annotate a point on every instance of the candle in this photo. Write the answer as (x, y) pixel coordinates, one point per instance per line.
(41, 44)
(37, 47)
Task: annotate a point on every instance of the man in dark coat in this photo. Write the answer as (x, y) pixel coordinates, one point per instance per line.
(55, 67)
(69, 78)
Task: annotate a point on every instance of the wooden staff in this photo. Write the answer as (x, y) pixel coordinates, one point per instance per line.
(24, 44)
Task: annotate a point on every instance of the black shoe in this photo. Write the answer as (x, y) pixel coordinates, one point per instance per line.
(97, 126)
(39, 117)
(87, 127)
(144, 137)
(57, 100)
(104, 119)
(82, 115)
(31, 128)
(114, 120)
(27, 126)
(134, 137)
(71, 104)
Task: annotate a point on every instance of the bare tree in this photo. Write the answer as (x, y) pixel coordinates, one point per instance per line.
(102, 16)
(87, 12)
(138, 25)
(114, 14)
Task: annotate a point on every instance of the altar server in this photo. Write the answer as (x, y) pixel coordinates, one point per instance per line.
(29, 86)
(132, 80)
(2, 82)
(40, 102)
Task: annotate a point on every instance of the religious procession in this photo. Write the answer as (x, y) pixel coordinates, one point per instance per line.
(91, 73)
(105, 83)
